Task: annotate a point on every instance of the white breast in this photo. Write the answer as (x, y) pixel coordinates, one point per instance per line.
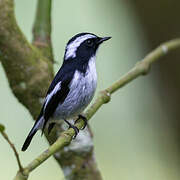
(90, 78)
(82, 89)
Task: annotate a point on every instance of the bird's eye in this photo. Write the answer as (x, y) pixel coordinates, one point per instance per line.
(89, 42)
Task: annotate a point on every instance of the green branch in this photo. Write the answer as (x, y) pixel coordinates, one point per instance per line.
(141, 68)
(42, 28)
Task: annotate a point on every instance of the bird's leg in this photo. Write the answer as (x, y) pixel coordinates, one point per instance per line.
(80, 116)
(76, 130)
(50, 127)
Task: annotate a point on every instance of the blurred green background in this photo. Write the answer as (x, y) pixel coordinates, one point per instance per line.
(136, 135)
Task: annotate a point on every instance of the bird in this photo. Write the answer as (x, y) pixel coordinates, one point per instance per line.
(73, 87)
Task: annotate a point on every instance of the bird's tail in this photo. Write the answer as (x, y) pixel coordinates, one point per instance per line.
(37, 126)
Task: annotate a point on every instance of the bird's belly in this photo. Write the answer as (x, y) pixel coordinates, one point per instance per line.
(81, 93)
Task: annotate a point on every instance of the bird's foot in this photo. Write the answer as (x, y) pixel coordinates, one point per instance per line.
(50, 127)
(80, 116)
(76, 130)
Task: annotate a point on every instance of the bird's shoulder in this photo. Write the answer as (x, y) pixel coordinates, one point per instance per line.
(63, 76)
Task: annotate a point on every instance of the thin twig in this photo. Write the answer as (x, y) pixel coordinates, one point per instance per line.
(141, 68)
(13, 148)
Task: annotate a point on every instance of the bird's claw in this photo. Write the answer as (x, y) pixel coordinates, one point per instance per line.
(76, 130)
(80, 116)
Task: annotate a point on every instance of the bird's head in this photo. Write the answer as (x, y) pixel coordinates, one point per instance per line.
(83, 46)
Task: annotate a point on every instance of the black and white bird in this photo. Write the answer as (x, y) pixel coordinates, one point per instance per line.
(74, 85)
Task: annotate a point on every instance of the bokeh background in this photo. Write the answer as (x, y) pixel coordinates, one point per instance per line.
(136, 135)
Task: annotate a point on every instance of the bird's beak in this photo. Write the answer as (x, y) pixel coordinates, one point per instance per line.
(103, 39)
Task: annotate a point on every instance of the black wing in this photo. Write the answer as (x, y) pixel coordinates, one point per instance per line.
(65, 77)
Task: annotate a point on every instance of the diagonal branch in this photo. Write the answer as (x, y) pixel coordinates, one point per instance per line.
(141, 68)
(2, 131)
(42, 28)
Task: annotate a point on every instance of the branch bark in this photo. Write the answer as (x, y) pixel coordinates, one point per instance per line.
(29, 73)
(141, 68)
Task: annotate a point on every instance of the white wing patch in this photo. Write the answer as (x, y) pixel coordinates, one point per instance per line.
(48, 97)
(72, 47)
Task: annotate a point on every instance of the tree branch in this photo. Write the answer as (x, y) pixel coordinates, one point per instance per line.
(29, 73)
(42, 28)
(2, 131)
(141, 68)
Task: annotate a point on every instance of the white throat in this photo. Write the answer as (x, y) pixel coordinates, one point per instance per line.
(91, 69)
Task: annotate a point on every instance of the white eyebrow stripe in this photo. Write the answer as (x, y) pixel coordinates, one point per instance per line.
(72, 47)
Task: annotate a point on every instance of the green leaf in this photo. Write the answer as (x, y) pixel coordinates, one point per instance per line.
(2, 128)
